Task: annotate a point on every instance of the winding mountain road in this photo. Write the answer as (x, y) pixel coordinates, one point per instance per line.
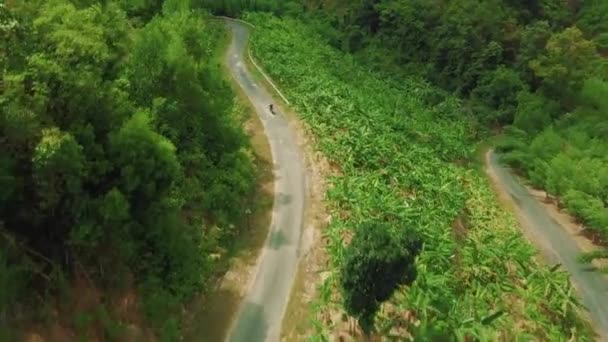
(262, 310)
(556, 243)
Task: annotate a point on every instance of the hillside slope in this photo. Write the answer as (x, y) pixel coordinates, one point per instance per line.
(399, 148)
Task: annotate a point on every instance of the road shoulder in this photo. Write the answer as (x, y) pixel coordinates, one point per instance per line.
(212, 315)
(314, 260)
(568, 223)
(588, 285)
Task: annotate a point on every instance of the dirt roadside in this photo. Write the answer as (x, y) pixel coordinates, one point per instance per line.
(313, 258)
(296, 324)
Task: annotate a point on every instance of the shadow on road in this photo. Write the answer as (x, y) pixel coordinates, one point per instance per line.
(283, 199)
(253, 327)
(277, 240)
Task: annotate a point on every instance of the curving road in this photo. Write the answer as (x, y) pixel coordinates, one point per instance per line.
(557, 244)
(261, 312)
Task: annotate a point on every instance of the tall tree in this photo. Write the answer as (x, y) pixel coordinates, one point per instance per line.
(567, 61)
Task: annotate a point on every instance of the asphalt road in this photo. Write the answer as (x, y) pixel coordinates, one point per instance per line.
(558, 246)
(262, 310)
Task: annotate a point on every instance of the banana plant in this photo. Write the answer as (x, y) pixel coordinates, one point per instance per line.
(394, 157)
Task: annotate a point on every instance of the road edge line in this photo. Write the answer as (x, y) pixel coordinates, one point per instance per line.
(253, 60)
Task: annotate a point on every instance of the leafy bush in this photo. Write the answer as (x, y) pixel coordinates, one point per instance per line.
(590, 209)
(499, 89)
(533, 112)
(376, 262)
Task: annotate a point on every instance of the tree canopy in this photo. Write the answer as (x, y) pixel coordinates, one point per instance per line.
(119, 134)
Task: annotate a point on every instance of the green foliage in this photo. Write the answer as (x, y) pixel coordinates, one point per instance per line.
(407, 22)
(560, 13)
(141, 10)
(593, 17)
(534, 112)
(399, 147)
(567, 61)
(235, 8)
(376, 263)
(176, 50)
(486, 51)
(533, 39)
(568, 158)
(57, 173)
(593, 95)
(145, 160)
(117, 139)
(536, 68)
(602, 42)
(588, 207)
(558, 174)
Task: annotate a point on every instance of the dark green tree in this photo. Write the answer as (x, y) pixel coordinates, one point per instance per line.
(534, 112)
(498, 89)
(376, 263)
(567, 61)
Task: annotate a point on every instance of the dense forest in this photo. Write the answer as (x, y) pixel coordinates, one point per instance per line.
(124, 162)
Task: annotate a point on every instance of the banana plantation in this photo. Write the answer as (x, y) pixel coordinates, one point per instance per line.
(402, 154)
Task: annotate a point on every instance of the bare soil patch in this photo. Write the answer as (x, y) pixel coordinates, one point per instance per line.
(83, 316)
